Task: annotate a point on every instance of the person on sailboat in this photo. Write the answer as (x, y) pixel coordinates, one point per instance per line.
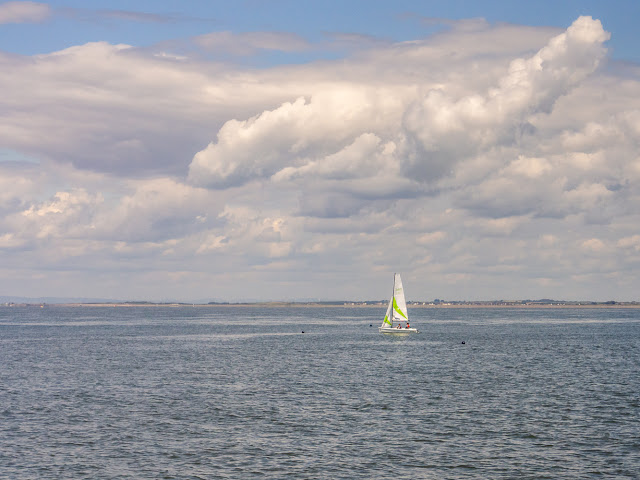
(408, 324)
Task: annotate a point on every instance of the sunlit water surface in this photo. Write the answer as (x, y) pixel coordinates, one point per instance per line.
(241, 392)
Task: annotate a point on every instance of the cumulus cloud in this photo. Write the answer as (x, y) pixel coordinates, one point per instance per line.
(156, 210)
(294, 134)
(483, 159)
(449, 129)
(15, 186)
(123, 110)
(23, 12)
(345, 133)
(444, 129)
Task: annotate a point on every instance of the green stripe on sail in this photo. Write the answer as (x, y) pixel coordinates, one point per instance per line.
(386, 320)
(395, 307)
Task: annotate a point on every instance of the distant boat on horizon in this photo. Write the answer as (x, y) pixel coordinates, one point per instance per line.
(397, 312)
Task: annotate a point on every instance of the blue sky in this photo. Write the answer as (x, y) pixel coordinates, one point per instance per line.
(145, 23)
(282, 150)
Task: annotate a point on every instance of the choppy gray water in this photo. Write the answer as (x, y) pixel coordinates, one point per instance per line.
(241, 392)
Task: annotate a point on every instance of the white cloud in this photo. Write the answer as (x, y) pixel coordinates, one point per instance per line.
(529, 167)
(249, 43)
(123, 110)
(450, 129)
(66, 215)
(485, 161)
(295, 135)
(593, 245)
(415, 139)
(14, 188)
(9, 240)
(23, 12)
(632, 242)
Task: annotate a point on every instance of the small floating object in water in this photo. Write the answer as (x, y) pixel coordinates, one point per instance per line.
(463, 342)
(302, 331)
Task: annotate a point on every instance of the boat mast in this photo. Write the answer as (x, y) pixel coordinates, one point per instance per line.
(393, 298)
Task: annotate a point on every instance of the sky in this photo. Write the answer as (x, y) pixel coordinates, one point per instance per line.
(265, 150)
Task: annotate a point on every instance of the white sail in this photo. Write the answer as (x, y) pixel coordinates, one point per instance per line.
(397, 311)
(387, 321)
(400, 312)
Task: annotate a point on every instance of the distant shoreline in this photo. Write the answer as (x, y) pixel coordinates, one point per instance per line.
(336, 305)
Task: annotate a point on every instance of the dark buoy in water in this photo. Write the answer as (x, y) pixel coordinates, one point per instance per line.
(302, 331)
(370, 325)
(463, 342)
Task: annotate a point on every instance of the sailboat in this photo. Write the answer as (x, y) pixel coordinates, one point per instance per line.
(397, 312)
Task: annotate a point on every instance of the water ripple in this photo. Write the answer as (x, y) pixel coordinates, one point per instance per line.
(240, 393)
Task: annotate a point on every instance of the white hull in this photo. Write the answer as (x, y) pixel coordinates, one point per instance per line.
(397, 331)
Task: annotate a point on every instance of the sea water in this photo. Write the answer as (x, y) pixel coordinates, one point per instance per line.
(241, 392)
